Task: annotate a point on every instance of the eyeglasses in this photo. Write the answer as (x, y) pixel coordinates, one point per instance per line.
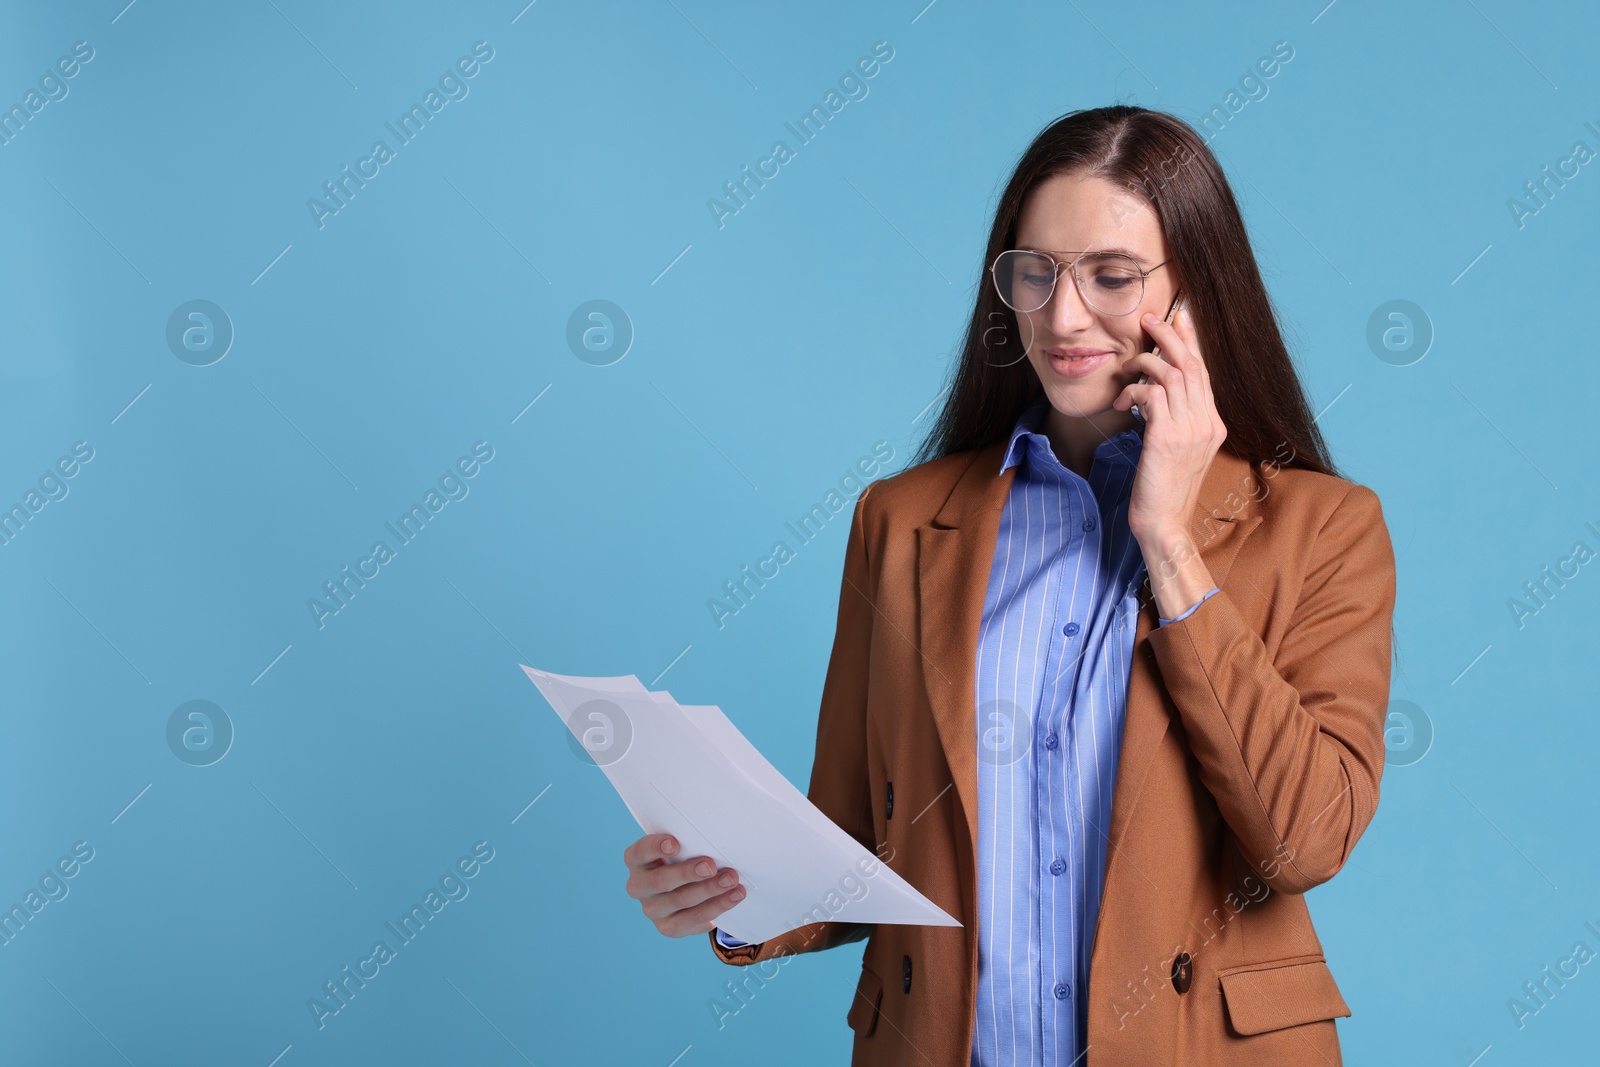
(1109, 282)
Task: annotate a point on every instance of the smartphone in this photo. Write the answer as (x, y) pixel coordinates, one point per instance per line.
(1177, 303)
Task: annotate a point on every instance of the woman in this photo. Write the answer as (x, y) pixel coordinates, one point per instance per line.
(1150, 650)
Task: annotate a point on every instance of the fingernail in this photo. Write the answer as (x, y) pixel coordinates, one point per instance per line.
(668, 847)
(726, 879)
(704, 869)
(737, 894)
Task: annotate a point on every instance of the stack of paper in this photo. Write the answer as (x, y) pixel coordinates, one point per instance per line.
(688, 771)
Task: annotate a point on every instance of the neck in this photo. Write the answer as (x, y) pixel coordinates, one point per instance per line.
(1074, 438)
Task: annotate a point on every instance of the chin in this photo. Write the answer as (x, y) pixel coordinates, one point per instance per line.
(1083, 398)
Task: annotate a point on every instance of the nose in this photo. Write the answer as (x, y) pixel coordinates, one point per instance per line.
(1067, 311)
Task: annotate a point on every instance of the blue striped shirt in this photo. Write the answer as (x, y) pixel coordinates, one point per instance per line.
(1054, 650)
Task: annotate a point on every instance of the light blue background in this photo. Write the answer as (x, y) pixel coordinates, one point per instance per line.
(767, 360)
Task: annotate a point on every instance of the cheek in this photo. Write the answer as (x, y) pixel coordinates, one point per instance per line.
(1126, 332)
(1028, 329)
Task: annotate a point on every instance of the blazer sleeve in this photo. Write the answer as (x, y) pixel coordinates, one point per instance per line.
(1292, 745)
(840, 786)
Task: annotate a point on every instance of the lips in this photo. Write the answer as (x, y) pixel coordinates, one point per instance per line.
(1076, 362)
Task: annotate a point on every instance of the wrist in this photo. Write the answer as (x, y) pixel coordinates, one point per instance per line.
(1178, 576)
(1169, 544)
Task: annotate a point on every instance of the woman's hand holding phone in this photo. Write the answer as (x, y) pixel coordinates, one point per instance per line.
(1182, 431)
(1178, 304)
(681, 898)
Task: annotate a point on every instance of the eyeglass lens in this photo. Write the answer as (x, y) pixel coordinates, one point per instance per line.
(1110, 282)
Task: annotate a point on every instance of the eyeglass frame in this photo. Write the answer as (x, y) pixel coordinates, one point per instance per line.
(1076, 281)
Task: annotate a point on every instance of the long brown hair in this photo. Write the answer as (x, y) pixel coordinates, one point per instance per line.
(1160, 158)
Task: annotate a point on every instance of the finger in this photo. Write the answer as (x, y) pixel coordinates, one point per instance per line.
(1153, 364)
(1164, 374)
(1171, 343)
(1181, 352)
(1159, 405)
(1131, 393)
(654, 881)
(702, 917)
(1151, 398)
(1185, 320)
(1176, 354)
(652, 848)
(1204, 399)
(1198, 374)
(1124, 400)
(1168, 371)
(663, 906)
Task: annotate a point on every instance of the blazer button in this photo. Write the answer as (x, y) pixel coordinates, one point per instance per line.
(1182, 972)
(905, 973)
(888, 807)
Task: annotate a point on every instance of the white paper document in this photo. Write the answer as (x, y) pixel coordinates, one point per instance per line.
(688, 771)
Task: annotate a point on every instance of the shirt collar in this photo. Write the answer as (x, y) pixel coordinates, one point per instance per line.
(1028, 441)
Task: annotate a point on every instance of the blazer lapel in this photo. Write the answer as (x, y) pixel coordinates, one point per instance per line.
(955, 552)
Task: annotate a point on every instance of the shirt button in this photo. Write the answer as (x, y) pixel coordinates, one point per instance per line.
(1088, 524)
(1063, 990)
(1051, 741)
(1058, 866)
(1070, 628)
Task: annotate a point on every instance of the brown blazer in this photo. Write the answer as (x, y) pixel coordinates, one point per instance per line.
(1250, 761)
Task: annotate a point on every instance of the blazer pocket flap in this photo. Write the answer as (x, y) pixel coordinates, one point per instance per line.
(863, 1017)
(1270, 996)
